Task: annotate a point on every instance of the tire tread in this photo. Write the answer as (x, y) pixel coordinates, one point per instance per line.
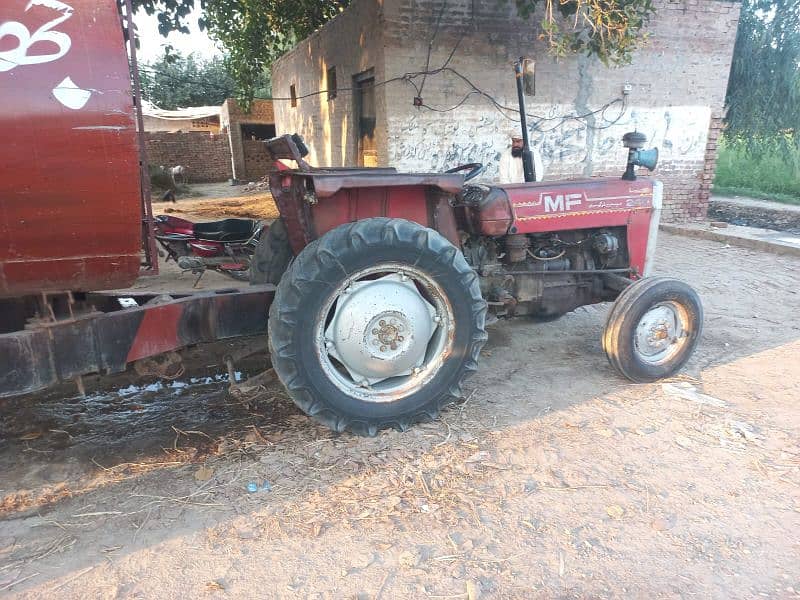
(308, 266)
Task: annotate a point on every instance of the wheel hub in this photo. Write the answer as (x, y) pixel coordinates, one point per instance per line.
(388, 331)
(380, 328)
(660, 332)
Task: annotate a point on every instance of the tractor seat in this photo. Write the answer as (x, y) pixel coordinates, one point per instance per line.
(226, 230)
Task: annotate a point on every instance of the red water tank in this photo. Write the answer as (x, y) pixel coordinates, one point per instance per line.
(70, 216)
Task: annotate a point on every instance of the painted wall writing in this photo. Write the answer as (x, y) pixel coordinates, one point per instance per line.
(426, 142)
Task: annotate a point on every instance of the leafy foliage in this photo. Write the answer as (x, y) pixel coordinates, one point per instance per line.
(171, 14)
(255, 32)
(176, 81)
(763, 96)
(608, 29)
(773, 174)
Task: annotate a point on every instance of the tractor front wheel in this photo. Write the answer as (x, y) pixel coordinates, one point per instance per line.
(653, 328)
(376, 324)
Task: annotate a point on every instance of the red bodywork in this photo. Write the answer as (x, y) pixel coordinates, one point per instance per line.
(574, 205)
(70, 200)
(315, 202)
(312, 204)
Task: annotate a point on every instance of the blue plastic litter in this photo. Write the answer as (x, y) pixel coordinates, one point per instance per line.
(253, 487)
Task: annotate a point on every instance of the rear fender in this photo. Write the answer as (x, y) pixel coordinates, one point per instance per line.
(422, 199)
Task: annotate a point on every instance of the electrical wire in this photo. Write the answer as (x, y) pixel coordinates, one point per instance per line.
(430, 47)
(410, 78)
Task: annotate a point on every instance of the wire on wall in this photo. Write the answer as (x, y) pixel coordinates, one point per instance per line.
(409, 78)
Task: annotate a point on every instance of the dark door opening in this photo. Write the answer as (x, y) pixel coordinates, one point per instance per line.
(365, 117)
(258, 131)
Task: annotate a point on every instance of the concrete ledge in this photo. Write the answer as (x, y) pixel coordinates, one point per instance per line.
(766, 240)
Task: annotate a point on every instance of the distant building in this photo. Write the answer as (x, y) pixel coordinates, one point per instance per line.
(349, 90)
(195, 118)
(246, 132)
(214, 142)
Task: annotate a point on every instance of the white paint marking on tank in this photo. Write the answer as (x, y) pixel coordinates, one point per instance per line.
(18, 56)
(106, 127)
(70, 95)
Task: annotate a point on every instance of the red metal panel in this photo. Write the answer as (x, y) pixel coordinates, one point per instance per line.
(157, 333)
(69, 191)
(544, 206)
(583, 204)
(353, 204)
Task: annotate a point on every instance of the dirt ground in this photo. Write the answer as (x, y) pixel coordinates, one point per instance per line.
(211, 201)
(555, 478)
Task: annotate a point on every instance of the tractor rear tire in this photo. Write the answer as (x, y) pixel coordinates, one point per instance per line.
(272, 255)
(375, 325)
(653, 328)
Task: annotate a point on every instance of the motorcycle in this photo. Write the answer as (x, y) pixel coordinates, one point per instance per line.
(225, 246)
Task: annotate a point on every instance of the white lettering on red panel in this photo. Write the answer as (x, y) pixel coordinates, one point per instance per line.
(561, 202)
(66, 91)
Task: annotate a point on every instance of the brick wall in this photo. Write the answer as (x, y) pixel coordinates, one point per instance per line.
(231, 118)
(678, 84)
(207, 156)
(261, 111)
(257, 162)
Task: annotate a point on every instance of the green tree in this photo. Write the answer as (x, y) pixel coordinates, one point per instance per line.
(763, 97)
(255, 32)
(176, 81)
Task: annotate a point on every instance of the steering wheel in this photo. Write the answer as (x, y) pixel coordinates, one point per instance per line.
(474, 169)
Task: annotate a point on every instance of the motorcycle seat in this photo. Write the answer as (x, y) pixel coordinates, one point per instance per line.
(226, 230)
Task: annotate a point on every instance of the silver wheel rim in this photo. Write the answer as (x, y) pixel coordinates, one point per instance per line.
(662, 333)
(385, 332)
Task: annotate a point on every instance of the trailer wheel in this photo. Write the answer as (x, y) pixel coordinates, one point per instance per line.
(272, 255)
(376, 324)
(653, 328)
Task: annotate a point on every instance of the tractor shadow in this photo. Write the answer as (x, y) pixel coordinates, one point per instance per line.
(131, 471)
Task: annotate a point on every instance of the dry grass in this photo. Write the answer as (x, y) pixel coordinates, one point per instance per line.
(258, 206)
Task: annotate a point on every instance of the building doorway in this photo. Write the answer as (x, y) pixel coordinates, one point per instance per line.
(258, 131)
(364, 84)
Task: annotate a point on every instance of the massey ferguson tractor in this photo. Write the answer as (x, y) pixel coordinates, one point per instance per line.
(386, 281)
(378, 285)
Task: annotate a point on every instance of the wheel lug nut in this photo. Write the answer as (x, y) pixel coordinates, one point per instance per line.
(382, 323)
(383, 348)
(437, 319)
(374, 332)
(399, 338)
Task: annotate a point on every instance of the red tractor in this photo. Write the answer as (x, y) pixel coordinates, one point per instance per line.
(386, 281)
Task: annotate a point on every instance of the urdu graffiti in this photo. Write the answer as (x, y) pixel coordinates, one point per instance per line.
(46, 36)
